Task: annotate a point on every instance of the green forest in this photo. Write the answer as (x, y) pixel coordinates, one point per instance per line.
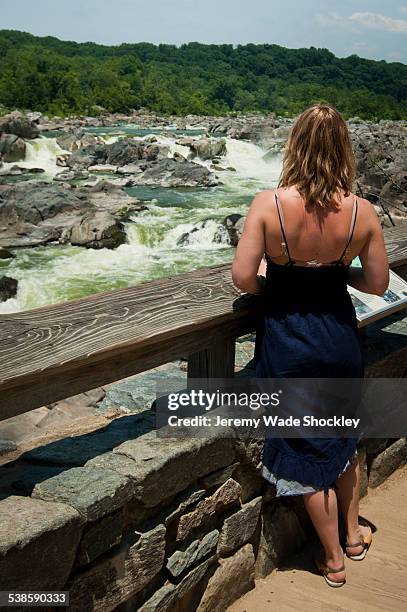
(61, 78)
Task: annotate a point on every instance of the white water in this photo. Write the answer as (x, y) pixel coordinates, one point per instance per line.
(40, 153)
(248, 160)
(55, 273)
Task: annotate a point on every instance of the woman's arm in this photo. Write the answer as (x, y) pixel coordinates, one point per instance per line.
(247, 263)
(373, 277)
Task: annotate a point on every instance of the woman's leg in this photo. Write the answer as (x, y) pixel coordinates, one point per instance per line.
(323, 512)
(348, 492)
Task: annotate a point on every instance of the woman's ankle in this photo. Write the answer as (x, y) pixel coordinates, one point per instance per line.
(334, 559)
(353, 533)
(356, 535)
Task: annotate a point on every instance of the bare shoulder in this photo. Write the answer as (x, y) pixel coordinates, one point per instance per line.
(364, 204)
(262, 201)
(367, 210)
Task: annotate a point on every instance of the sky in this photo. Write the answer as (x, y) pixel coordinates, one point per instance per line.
(375, 29)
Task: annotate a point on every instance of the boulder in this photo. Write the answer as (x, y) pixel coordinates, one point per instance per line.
(5, 254)
(120, 153)
(80, 160)
(96, 230)
(208, 148)
(8, 288)
(77, 139)
(34, 203)
(220, 236)
(19, 124)
(171, 173)
(40, 212)
(234, 224)
(12, 147)
(35, 170)
(130, 151)
(23, 224)
(261, 132)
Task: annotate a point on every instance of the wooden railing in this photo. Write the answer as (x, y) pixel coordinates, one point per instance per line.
(54, 352)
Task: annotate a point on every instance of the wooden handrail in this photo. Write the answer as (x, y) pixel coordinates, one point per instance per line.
(57, 351)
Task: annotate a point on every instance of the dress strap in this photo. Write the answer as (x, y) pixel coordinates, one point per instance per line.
(284, 243)
(351, 229)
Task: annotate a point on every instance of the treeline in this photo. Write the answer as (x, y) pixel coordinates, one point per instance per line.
(61, 78)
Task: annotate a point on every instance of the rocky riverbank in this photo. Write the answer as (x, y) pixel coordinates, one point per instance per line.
(85, 201)
(380, 150)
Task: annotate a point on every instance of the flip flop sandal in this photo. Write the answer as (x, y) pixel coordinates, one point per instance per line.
(365, 541)
(325, 570)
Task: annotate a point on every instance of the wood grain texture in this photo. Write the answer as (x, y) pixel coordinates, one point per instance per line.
(396, 245)
(57, 351)
(218, 361)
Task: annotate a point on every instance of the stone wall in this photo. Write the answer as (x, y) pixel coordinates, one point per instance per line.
(128, 521)
(152, 524)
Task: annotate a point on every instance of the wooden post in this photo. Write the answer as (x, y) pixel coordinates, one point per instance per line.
(218, 361)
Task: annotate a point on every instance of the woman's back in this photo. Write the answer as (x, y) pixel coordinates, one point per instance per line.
(309, 236)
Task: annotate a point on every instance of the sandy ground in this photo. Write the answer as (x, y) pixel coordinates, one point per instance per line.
(379, 583)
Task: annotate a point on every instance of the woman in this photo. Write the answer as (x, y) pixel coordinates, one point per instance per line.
(303, 236)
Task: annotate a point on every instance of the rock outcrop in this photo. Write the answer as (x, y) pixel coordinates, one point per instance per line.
(96, 230)
(234, 224)
(172, 173)
(381, 153)
(19, 124)
(204, 148)
(8, 288)
(76, 139)
(12, 147)
(129, 151)
(36, 213)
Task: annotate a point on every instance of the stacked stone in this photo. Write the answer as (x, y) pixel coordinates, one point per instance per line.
(126, 520)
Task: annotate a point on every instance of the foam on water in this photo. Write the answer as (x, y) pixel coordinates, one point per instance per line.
(40, 153)
(181, 230)
(248, 160)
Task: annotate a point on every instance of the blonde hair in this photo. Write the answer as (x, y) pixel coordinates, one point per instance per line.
(318, 157)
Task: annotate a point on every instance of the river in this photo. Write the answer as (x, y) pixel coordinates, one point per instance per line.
(55, 273)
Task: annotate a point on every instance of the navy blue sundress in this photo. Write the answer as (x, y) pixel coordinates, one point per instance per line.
(308, 329)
